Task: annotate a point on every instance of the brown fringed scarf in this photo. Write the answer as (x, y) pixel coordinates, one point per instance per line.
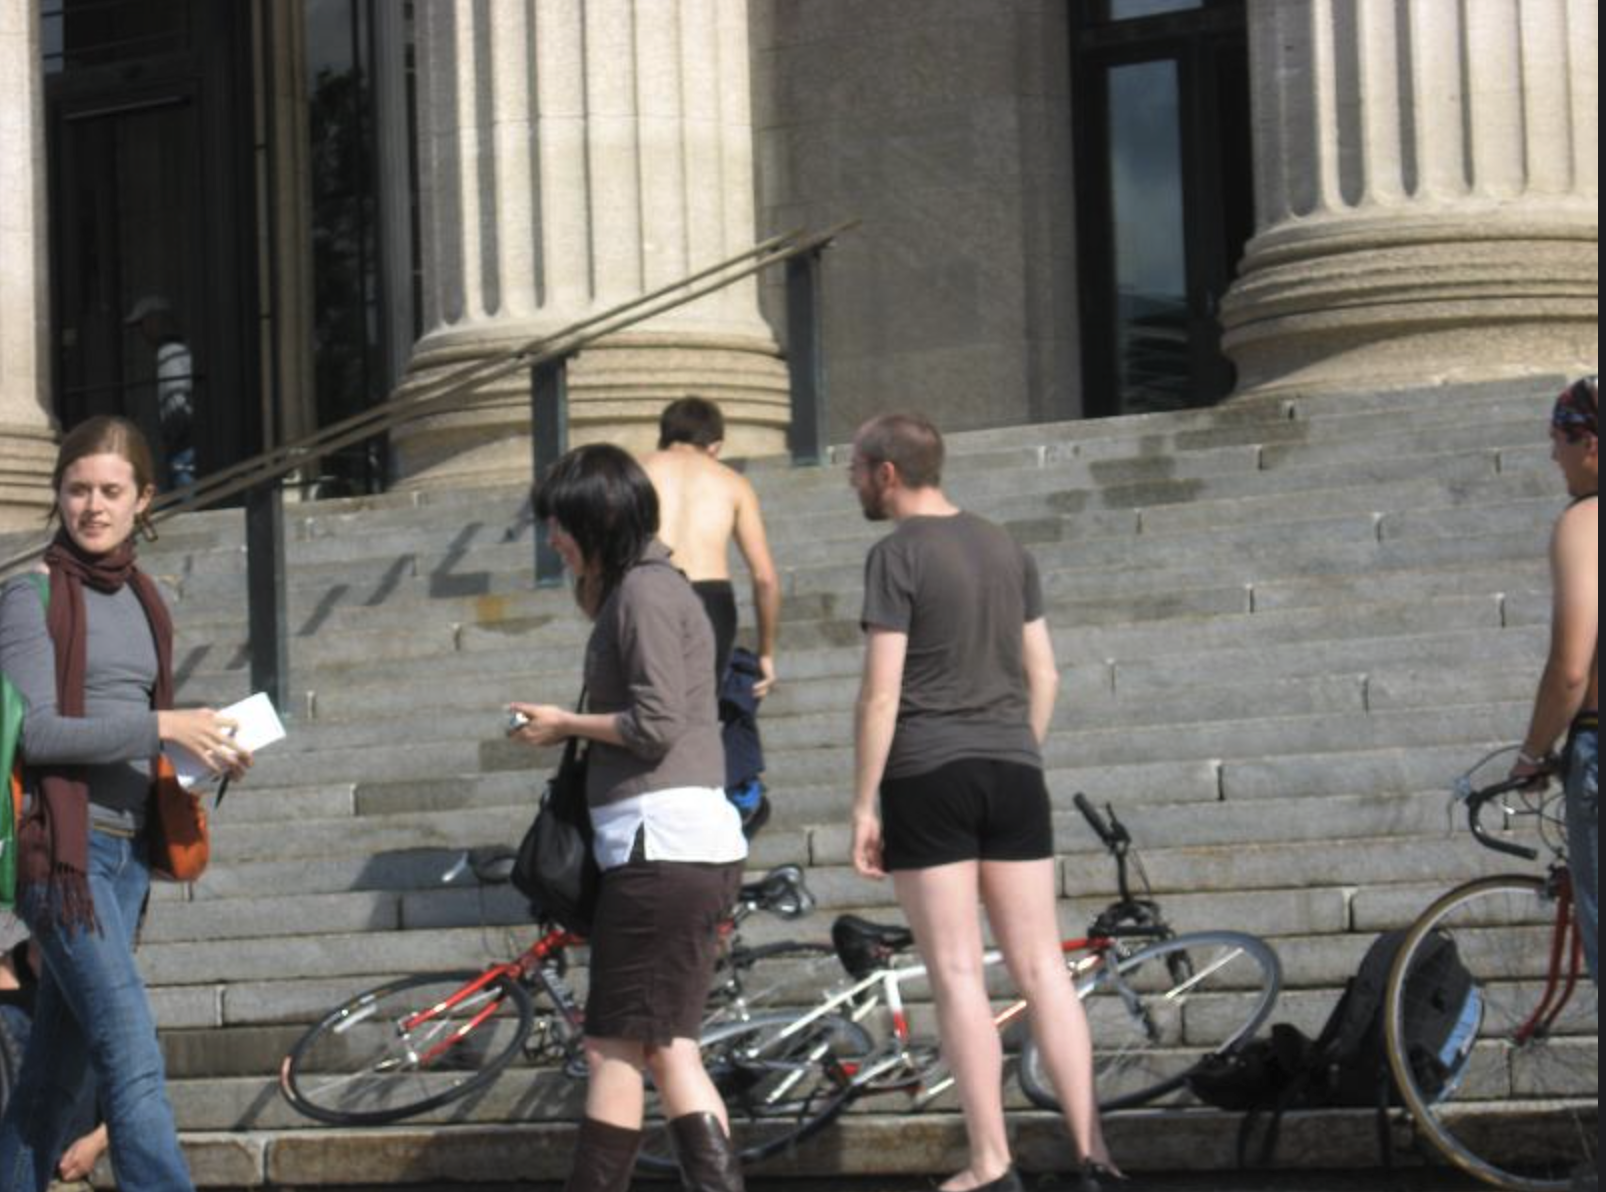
(53, 841)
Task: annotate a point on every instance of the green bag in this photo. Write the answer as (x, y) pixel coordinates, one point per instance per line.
(13, 710)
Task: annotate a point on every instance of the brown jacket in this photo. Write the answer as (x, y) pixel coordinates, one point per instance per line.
(650, 663)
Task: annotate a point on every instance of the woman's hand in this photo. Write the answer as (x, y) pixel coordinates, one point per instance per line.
(868, 856)
(547, 725)
(207, 735)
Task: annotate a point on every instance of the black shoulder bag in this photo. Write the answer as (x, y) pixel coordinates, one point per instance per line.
(557, 867)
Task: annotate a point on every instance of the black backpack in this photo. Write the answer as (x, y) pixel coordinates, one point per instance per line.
(1347, 1066)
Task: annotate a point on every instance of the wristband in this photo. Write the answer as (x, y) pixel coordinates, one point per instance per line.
(1539, 763)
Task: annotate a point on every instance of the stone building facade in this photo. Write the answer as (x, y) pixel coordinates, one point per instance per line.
(1070, 208)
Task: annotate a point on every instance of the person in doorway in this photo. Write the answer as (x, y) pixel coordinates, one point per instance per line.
(20, 969)
(960, 683)
(704, 505)
(93, 657)
(669, 844)
(1569, 693)
(153, 318)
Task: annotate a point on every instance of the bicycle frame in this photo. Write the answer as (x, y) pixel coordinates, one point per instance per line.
(866, 1002)
(1567, 942)
(528, 966)
(1568, 938)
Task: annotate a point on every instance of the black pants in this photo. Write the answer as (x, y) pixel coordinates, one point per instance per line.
(719, 599)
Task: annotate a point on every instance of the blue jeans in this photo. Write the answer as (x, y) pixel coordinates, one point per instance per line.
(92, 1014)
(1583, 840)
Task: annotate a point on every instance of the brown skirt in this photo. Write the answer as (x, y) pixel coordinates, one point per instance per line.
(654, 947)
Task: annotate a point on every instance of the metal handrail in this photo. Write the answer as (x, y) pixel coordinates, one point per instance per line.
(456, 388)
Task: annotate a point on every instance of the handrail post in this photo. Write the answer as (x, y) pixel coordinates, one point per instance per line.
(805, 357)
(266, 586)
(549, 396)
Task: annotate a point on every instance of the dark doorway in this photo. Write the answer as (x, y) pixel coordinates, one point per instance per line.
(1165, 193)
(153, 223)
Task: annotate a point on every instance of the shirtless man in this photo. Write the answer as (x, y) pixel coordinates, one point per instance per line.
(703, 505)
(1569, 694)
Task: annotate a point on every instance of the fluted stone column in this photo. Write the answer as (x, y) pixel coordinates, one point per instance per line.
(27, 429)
(575, 154)
(1428, 188)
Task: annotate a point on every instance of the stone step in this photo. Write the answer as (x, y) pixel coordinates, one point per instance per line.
(794, 716)
(1103, 538)
(1219, 618)
(533, 1156)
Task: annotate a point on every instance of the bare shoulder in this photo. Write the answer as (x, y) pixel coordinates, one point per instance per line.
(1582, 520)
(1578, 532)
(740, 486)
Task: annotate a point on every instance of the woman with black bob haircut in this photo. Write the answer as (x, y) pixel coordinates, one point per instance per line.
(669, 843)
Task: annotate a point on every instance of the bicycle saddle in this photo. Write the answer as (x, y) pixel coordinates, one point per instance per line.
(863, 946)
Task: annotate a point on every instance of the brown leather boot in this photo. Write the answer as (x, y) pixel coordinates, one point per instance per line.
(708, 1161)
(604, 1159)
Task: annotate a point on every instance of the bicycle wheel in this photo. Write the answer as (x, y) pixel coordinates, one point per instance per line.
(400, 1050)
(1162, 1011)
(779, 1093)
(770, 979)
(1512, 1111)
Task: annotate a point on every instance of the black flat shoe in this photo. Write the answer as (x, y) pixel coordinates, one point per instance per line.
(1095, 1177)
(1010, 1181)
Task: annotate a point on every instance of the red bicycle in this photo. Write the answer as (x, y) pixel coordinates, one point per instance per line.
(1513, 1099)
(415, 1044)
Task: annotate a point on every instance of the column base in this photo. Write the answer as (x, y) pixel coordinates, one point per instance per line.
(27, 465)
(616, 392)
(1415, 298)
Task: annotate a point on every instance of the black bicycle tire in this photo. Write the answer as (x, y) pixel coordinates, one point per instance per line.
(289, 1082)
(649, 1164)
(1424, 1114)
(1041, 1093)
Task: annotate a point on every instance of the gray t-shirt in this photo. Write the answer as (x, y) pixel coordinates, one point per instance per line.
(117, 738)
(964, 591)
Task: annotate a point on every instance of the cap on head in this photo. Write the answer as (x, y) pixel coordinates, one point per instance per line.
(151, 304)
(1577, 413)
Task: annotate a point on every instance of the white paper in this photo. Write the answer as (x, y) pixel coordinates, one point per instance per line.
(260, 727)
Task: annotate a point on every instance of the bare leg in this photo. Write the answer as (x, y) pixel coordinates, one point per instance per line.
(943, 908)
(1023, 909)
(616, 1094)
(683, 1083)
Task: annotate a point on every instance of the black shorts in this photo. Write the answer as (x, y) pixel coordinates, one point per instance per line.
(975, 809)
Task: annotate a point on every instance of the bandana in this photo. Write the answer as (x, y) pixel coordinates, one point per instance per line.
(1577, 413)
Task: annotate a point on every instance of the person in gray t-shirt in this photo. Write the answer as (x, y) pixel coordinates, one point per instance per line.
(959, 688)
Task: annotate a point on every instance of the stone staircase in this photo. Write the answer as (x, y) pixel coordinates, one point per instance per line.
(1285, 627)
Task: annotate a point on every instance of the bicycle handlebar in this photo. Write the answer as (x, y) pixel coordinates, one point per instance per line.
(1114, 837)
(1478, 802)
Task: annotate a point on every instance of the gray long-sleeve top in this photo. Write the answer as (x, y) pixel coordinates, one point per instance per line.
(117, 737)
(650, 664)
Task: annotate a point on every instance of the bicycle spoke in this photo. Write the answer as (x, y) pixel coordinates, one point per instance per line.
(778, 1090)
(1157, 1014)
(406, 1048)
(1516, 1109)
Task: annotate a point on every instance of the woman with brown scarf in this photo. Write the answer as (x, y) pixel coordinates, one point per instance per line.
(94, 658)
